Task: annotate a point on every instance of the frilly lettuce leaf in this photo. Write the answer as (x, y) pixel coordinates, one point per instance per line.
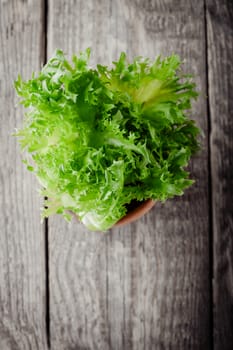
(101, 138)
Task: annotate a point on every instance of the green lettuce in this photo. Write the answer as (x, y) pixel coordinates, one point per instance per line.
(102, 138)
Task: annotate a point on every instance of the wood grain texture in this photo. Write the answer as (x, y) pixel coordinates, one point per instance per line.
(145, 286)
(22, 271)
(220, 58)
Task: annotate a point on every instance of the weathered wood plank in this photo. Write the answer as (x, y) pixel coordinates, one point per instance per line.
(220, 58)
(22, 272)
(145, 286)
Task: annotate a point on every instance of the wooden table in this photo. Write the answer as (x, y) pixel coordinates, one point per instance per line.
(165, 282)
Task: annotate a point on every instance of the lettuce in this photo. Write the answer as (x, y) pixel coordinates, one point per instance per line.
(102, 138)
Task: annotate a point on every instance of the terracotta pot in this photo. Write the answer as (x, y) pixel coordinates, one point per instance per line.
(136, 213)
(133, 214)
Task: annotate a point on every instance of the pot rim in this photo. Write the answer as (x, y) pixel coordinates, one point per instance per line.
(136, 213)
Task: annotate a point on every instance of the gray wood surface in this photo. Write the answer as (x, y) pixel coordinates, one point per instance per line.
(220, 58)
(164, 282)
(145, 286)
(22, 263)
